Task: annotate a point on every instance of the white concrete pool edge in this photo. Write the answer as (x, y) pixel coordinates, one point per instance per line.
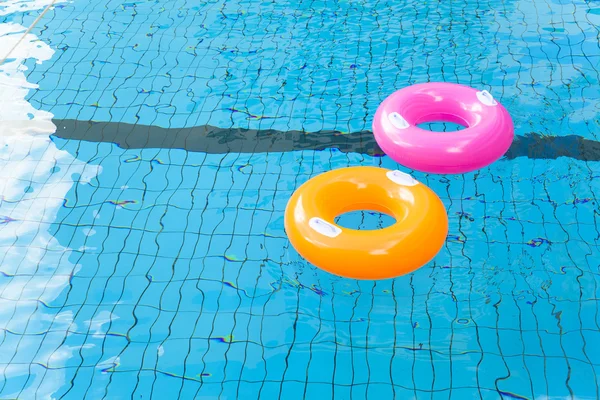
(17, 115)
(35, 177)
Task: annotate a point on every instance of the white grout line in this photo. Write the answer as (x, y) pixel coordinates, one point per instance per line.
(27, 31)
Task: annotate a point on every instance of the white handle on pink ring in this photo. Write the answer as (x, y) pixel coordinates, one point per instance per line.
(486, 98)
(324, 227)
(398, 120)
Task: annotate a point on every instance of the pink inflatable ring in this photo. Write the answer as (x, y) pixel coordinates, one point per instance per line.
(487, 135)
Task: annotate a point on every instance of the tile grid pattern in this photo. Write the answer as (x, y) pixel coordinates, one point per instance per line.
(178, 281)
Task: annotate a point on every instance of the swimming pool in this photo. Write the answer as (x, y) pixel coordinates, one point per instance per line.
(142, 255)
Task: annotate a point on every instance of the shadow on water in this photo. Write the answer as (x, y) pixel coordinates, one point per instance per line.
(214, 140)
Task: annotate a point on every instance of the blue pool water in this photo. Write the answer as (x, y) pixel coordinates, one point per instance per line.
(165, 273)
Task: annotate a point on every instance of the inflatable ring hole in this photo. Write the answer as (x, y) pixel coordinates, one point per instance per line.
(365, 220)
(442, 123)
(436, 126)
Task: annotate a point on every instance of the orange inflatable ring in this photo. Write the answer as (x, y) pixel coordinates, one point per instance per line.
(417, 236)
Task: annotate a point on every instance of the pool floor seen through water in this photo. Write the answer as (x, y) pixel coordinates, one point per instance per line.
(148, 150)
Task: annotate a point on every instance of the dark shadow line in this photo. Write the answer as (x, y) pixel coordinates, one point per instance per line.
(210, 139)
